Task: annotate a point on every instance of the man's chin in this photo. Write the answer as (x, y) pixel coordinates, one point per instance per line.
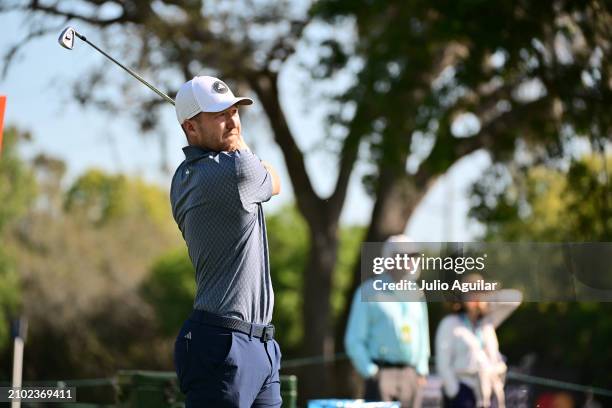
(232, 143)
(231, 147)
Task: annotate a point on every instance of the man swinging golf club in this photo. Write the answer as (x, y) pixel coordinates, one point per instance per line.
(225, 354)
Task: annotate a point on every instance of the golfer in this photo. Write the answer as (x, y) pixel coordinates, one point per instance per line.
(225, 354)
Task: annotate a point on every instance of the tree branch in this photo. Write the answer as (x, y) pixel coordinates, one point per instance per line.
(10, 55)
(55, 11)
(265, 86)
(285, 45)
(348, 157)
(486, 138)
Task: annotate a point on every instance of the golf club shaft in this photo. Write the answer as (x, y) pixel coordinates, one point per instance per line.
(129, 71)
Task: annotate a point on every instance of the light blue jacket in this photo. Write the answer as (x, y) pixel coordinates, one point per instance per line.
(376, 330)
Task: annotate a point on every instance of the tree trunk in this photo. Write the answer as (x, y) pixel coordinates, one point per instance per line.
(322, 217)
(398, 195)
(317, 290)
(316, 380)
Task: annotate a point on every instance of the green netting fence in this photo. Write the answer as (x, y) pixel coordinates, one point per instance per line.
(153, 389)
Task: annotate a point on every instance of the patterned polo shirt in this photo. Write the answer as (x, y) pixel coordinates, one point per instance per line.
(217, 203)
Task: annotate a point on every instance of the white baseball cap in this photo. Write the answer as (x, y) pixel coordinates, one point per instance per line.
(204, 94)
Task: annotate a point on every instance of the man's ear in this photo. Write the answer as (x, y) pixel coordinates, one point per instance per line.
(187, 127)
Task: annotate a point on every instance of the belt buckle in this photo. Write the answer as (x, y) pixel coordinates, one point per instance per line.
(268, 333)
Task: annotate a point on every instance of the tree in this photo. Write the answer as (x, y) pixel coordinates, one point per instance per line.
(170, 289)
(548, 202)
(79, 267)
(288, 240)
(442, 80)
(100, 198)
(178, 37)
(434, 83)
(17, 189)
(17, 185)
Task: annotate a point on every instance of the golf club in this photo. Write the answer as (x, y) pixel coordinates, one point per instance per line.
(66, 40)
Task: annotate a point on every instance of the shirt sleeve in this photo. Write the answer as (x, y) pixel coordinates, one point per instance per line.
(254, 181)
(356, 337)
(422, 366)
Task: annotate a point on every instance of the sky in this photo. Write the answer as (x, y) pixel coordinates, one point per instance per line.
(38, 89)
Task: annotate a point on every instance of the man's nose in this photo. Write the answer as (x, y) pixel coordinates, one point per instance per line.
(230, 122)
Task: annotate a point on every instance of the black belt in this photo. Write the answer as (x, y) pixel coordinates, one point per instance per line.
(387, 364)
(261, 331)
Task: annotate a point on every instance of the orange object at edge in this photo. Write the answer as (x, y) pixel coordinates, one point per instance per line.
(2, 106)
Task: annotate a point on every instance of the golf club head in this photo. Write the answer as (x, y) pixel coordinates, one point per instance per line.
(66, 38)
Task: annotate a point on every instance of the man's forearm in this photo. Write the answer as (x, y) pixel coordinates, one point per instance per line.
(276, 186)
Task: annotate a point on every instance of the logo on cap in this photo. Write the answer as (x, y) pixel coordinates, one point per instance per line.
(220, 87)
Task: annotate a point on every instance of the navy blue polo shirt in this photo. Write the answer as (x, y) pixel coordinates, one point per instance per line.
(217, 203)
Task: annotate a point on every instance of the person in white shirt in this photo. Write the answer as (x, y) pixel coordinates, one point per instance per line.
(467, 351)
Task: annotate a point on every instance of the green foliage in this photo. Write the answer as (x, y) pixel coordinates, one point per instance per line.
(288, 246)
(288, 243)
(10, 297)
(17, 186)
(421, 66)
(541, 203)
(350, 245)
(100, 197)
(79, 257)
(591, 217)
(544, 203)
(521, 69)
(17, 189)
(170, 289)
(572, 338)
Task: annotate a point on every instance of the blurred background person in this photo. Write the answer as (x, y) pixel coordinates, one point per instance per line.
(467, 351)
(388, 340)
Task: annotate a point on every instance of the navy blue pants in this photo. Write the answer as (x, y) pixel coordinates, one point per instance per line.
(219, 368)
